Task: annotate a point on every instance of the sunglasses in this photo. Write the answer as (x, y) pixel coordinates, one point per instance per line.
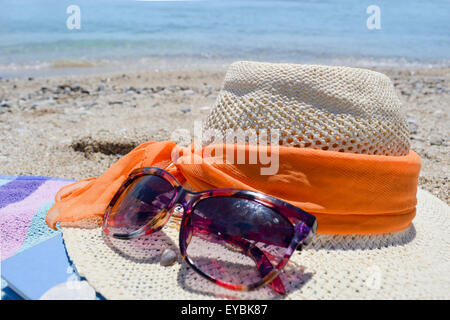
(239, 239)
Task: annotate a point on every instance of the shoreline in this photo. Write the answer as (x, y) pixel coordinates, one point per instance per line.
(90, 67)
(76, 126)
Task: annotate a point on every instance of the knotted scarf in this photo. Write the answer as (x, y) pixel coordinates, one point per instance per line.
(348, 193)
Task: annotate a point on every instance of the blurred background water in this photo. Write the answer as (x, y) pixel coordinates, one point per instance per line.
(119, 34)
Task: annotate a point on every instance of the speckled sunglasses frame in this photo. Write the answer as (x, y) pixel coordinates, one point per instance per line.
(303, 223)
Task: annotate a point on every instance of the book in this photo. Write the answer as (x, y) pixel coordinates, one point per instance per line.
(45, 271)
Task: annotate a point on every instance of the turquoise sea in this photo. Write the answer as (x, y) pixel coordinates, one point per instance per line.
(127, 34)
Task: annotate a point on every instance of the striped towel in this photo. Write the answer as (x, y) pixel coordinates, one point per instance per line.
(24, 202)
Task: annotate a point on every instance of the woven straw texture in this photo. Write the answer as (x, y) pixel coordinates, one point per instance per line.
(322, 107)
(412, 264)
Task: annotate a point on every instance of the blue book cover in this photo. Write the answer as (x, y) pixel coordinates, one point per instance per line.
(45, 272)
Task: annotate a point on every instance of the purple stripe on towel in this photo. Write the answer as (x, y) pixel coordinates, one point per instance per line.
(17, 190)
(15, 218)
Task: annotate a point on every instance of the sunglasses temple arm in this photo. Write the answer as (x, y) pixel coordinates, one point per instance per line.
(262, 262)
(264, 267)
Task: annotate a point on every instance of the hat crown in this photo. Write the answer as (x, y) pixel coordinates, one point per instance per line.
(322, 107)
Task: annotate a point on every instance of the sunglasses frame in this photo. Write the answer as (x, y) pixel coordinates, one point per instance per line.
(304, 224)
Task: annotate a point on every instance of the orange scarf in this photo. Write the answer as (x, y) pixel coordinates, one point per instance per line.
(348, 193)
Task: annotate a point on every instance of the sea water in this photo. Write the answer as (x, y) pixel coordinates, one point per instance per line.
(36, 36)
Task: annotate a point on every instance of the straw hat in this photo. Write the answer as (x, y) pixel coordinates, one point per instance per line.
(328, 108)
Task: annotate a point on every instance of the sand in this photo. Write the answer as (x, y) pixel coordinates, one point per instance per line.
(77, 126)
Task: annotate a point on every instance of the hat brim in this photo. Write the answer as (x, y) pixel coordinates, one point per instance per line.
(411, 264)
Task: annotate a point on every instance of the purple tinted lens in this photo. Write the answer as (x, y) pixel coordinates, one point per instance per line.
(237, 241)
(140, 202)
(243, 218)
